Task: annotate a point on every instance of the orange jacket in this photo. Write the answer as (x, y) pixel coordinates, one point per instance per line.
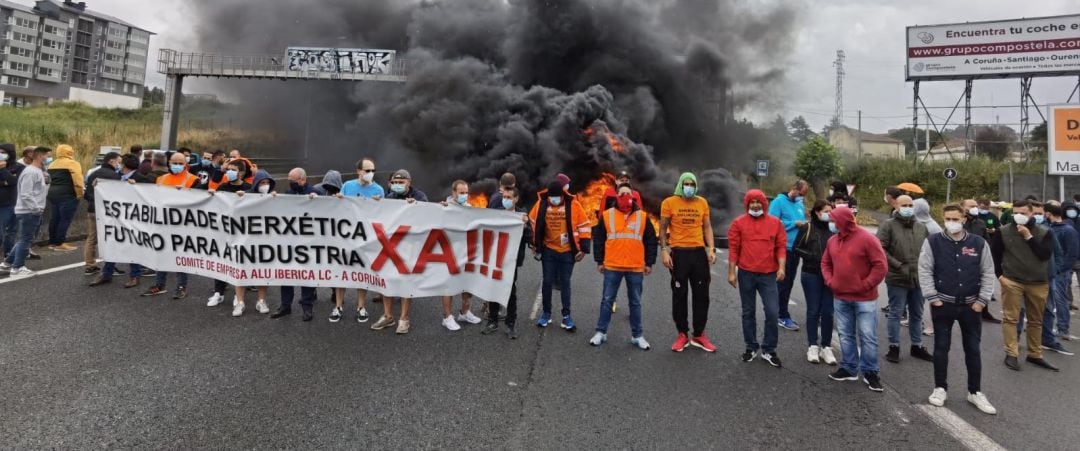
(576, 220)
(214, 184)
(184, 179)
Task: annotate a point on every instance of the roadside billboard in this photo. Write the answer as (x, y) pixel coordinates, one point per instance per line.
(1063, 139)
(1042, 46)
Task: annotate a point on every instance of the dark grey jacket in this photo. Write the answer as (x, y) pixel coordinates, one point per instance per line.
(902, 240)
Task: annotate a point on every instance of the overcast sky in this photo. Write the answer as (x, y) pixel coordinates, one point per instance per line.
(871, 33)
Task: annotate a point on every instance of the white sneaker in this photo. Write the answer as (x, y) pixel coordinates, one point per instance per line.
(21, 273)
(238, 309)
(234, 301)
(980, 401)
(468, 317)
(262, 307)
(450, 324)
(827, 356)
(215, 300)
(598, 339)
(813, 355)
(640, 343)
(939, 396)
(5, 266)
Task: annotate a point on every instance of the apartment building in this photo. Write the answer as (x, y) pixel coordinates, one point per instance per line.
(61, 50)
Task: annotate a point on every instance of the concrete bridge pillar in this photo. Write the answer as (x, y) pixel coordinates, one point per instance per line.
(171, 117)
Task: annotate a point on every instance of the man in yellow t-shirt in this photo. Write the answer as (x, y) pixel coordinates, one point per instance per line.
(687, 250)
(562, 235)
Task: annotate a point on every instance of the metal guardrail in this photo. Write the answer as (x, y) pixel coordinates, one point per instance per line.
(172, 62)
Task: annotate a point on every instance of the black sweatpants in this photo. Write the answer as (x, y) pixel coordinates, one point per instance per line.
(691, 271)
(971, 333)
(511, 305)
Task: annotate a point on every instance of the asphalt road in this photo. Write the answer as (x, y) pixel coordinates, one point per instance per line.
(101, 367)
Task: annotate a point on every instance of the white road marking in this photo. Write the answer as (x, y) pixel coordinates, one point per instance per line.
(537, 303)
(961, 430)
(43, 272)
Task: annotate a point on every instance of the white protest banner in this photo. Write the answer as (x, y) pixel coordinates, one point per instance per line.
(388, 246)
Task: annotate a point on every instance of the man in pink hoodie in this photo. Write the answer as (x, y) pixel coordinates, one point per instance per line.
(853, 266)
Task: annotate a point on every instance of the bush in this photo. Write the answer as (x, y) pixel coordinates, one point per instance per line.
(977, 177)
(86, 129)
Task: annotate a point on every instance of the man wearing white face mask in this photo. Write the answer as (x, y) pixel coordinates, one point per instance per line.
(363, 186)
(974, 224)
(956, 274)
(902, 237)
(1022, 254)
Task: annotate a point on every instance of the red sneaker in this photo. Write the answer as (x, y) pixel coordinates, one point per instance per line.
(680, 343)
(703, 343)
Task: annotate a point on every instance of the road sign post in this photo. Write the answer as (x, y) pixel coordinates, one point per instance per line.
(763, 168)
(949, 174)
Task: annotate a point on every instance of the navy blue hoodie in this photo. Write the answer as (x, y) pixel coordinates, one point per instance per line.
(9, 176)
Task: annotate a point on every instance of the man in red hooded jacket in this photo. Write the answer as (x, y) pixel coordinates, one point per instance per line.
(758, 246)
(853, 266)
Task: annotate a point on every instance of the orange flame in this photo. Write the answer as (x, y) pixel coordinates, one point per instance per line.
(478, 200)
(614, 141)
(593, 195)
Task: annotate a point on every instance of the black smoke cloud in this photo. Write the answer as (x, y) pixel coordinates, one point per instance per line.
(510, 85)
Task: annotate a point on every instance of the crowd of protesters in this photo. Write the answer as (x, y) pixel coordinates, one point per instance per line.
(1030, 248)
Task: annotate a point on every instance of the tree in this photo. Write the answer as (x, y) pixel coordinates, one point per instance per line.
(817, 162)
(1038, 136)
(906, 134)
(153, 96)
(800, 131)
(994, 141)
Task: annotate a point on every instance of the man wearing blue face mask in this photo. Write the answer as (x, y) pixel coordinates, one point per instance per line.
(509, 197)
(459, 197)
(902, 238)
(789, 209)
(508, 180)
(401, 189)
(562, 235)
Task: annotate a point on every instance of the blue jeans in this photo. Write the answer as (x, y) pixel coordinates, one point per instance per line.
(751, 285)
(109, 269)
(819, 309)
(790, 269)
(28, 228)
(556, 265)
(899, 299)
(612, 280)
(862, 315)
(63, 211)
(1059, 300)
(161, 277)
(8, 228)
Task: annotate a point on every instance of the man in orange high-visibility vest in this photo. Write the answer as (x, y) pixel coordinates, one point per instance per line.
(625, 248)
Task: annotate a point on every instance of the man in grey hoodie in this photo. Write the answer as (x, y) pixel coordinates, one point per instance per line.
(331, 184)
(29, 209)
